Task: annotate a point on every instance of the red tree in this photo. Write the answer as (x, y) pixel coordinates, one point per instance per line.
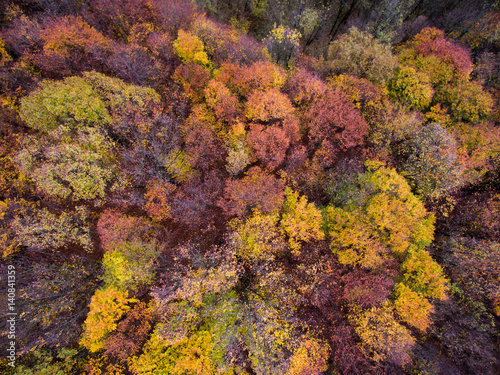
(115, 228)
(334, 124)
(269, 144)
(431, 41)
(257, 189)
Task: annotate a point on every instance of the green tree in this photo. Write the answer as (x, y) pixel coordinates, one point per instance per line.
(412, 87)
(74, 156)
(466, 100)
(68, 165)
(130, 264)
(358, 53)
(64, 362)
(72, 102)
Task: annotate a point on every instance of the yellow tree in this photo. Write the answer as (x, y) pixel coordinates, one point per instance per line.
(300, 221)
(107, 306)
(378, 214)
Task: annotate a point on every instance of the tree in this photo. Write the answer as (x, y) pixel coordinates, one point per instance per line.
(412, 308)
(118, 17)
(116, 229)
(334, 124)
(203, 144)
(439, 72)
(283, 44)
(195, 203)
(53, 298)
(72, 102)
(477, 146)
(131, 333)
(130, 265)
(190, 48)
(257, 238)
(238, 157)
(424, 276)
(193, 78)
(431, 42)
(360, 54)
(257, 190)
(378, 213)
(412, 87)
(190, 355)
(107, 306)
(124, 101)
(303, 87)
(382, 337)
(226, 44)
(269, 144)
(244, 80)
(74, 157)
(222, 101)
(466, 100)
(300, 221)
(71, 45)
(268, 106)
(157, 199)
(310, 358)
(471, 263)
(63, 362)
(134, 63)
(145, 149)
(365, 95)
(44, 230)
(62, 166)
(367, 288)
(429, 160)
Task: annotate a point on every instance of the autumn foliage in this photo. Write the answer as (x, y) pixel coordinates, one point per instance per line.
(250, 187)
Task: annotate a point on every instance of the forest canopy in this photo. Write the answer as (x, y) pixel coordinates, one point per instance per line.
(251, 187)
